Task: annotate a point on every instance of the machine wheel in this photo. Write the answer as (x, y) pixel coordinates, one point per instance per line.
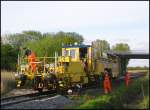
(38, 83)
(23, 80)
(41, 87)
(52, 82)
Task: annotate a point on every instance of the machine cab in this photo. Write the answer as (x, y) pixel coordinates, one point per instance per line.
(76, 53)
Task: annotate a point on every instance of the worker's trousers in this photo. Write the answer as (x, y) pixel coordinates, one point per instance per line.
(107, 86)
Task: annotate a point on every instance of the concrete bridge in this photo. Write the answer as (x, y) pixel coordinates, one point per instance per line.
(123, 56)
(130, 55)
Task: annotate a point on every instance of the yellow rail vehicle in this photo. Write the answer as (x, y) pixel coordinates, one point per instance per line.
(76, 66)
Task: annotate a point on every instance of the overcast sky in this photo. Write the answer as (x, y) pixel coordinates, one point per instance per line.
(114, 21)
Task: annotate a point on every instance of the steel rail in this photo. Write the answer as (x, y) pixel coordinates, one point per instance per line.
(24, 98)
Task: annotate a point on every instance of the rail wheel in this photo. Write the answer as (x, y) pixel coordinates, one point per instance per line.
(38, 84)
(23, 79)
(52, 82)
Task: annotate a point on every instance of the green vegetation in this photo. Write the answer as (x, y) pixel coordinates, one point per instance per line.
(138, 68)
(50, 44)
(100, 47)
(135, 96)
(41, 44)
(121, 47)
(144, 103)
(8, 57)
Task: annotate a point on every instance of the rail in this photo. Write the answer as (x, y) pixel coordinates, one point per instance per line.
(7, 101)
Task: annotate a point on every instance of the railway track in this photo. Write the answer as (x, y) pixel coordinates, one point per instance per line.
(24, 98)
(8, 101)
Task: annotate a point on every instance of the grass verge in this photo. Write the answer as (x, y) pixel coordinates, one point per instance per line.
(122, 97)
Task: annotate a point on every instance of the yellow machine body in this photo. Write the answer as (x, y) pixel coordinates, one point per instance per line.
(75, 65)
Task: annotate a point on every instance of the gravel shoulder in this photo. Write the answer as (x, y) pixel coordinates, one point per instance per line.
(55, 102)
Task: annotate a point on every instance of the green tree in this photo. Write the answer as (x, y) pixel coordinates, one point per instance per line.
(75, 36)
(41, 44)
(33, 35)
(8, 57)
(51, 42)
(19, 39)
(68, 37)
(122, 47)
(100, 47)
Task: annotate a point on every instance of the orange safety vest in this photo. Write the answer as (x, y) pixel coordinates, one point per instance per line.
(31, 59)
(107, 85)
(127, 78)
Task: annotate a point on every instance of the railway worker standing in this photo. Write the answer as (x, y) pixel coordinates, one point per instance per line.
(31, 58)
(127, 79)
(107, 85)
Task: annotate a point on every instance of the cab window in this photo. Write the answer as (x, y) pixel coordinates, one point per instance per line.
(83, 53)
(66, 53)
(72, 53)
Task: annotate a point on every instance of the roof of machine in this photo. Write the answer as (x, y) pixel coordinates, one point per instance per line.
(76, 46)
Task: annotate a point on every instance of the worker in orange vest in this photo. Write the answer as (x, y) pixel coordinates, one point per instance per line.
(127, 79)
(107, 85)
(31, 60)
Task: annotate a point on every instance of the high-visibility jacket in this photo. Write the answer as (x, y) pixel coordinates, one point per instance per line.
(31, 59)
(107, 85)
(127, 78)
